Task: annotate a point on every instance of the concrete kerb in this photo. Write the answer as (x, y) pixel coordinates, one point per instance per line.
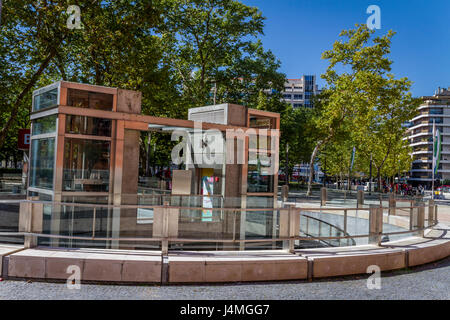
(127, 266)
(5, 251)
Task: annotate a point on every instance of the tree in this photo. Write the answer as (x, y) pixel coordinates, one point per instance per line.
(363, 97)
(38, 48)
(211, 49)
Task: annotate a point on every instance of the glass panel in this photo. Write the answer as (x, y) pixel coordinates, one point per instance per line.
(86, 165)
(259, 142)
(262, 123)
(260, 177)
(46, 100)
(44, 125)
(88, 126)
(42, 161)
(91, 100)
(261, 224)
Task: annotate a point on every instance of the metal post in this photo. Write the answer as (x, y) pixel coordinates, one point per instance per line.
(360, 199)
(165, 229)
(93, 222)
(345, 225)
(285, 193)
(294, 227)
(375, 224)
(435, 213)
(323, 196)
(287, 164)
(370, 175)
(392, 204)
(432, 161)
(421, 220)
(307, 225)
(430, 212)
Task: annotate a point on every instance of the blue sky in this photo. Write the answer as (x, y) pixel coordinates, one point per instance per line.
(298, 31)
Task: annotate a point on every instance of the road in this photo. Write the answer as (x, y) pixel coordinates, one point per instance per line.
(430, 281)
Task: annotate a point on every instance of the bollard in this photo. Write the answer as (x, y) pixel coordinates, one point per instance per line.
(285, 193)
(323, 196)
(294, 226)
(421, 220)
(31, 220)
(165, 225)
(435, 213)
(375, 224)
(392, 204)
(360, 199)
(430, 212)
(411, 216)
(290, 227)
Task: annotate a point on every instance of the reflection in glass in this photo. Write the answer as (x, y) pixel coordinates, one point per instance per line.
(262, 142)
(42, 161)
(262, 123)
(46, 100)
(86, 165)
(44, 125)
(91, 100)
(88, 126)
(260, 178)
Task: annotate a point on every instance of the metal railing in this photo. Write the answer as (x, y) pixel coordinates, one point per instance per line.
(169, 226)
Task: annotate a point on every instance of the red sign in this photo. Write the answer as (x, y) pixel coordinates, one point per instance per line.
(24, 139)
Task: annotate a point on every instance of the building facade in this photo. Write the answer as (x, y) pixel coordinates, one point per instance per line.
(420, 135)
(299, 92)
(85, 148)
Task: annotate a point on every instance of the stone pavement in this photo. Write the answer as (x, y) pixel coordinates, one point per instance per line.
(444, 213)
(430, 281)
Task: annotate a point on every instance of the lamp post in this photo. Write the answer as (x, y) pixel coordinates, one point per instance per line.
(287, 164)
(370, 175)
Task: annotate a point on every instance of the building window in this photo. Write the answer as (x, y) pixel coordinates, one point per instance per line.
(287, 96)
(88, 126)
(298, 96)
(260, 178)
(91, 100)
(86, 165)
(44, 125)
(435, 111)
(42, 163)
(46, 100)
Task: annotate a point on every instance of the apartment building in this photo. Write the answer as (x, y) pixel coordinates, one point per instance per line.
(299, 92)
(420, 136)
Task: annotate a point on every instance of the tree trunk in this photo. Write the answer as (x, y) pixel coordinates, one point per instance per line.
(311, 167)
(30, 84)
(380, 187)
(348, 181)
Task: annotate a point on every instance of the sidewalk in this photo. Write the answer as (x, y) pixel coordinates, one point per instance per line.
(444, 214)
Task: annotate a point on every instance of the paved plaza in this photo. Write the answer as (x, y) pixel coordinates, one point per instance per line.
(430, 281)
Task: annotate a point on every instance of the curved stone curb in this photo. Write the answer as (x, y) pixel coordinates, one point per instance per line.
(225, 266)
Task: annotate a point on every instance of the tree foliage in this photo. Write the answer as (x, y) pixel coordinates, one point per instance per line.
(363, 98)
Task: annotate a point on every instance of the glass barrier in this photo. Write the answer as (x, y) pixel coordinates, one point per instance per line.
(9, 223)
(148, 221)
